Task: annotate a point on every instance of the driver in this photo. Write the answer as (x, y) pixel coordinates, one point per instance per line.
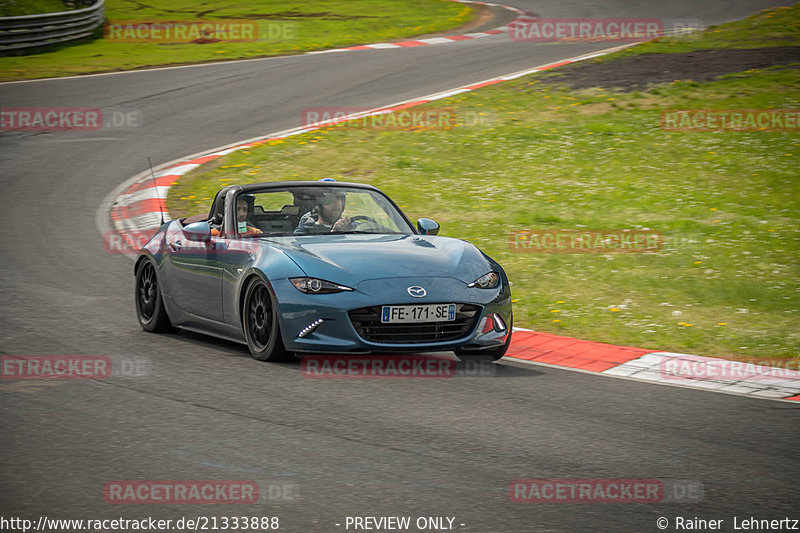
(326, 215)
(243, 209)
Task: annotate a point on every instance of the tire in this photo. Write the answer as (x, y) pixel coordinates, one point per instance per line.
(494, 354)
(260, 323)
(149, 304)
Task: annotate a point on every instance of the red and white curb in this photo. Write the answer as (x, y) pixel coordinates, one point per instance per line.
(524, 18)
(135, 209)
(684, 370)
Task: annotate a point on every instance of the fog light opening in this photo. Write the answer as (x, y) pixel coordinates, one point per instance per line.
(499, 325)
(309, 329)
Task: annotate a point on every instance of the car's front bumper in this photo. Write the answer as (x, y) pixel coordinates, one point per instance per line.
(320, 323)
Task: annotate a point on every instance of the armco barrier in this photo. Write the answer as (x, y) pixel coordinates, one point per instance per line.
(29, 31)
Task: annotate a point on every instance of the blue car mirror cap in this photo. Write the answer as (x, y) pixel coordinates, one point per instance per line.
(490, 280)
(317, 286)
(198, 231)
(427, 226)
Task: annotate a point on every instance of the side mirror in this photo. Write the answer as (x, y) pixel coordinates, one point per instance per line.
(427, 226)
(198, 231)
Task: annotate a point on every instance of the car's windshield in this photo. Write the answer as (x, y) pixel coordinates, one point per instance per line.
(316, 210)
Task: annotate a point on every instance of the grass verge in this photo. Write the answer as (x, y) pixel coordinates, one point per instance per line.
(16, 8)
(766, 29)
(542, 156)
(286, 27)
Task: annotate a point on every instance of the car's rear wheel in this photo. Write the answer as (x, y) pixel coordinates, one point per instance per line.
(260, 322)
(149, 305)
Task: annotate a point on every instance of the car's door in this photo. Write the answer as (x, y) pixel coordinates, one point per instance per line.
(239, 256)
(193, 272)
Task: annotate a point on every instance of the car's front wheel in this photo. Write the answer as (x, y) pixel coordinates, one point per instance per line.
(149, 305)
(260, 322)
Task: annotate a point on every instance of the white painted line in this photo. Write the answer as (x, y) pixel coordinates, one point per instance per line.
(520, 74)
(221, 153)
(182, 169)
(317, 52)
(436, 40)
(449, 94)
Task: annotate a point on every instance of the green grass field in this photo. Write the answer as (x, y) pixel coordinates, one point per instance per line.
(15, 8)
(287, 27)
(531, 155)
(768, 28)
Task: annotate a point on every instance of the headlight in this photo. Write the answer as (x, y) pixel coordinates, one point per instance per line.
(317, 286)
(489, 280)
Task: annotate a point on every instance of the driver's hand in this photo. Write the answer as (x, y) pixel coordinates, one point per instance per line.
(343, 224)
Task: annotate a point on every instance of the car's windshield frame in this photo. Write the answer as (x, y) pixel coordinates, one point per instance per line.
(308, 191)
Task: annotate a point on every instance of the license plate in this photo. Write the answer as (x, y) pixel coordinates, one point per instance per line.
(393, 314)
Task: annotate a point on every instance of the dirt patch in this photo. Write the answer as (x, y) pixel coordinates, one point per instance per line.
(636, 72)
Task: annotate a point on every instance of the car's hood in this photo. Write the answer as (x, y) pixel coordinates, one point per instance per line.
(352, 258)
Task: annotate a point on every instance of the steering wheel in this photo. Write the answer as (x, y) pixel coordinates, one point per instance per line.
(369, 223)
(357, 219)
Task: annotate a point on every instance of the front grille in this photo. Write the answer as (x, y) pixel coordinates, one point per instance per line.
(367, 322)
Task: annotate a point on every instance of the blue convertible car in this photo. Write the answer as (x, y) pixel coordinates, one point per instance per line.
(322, 267)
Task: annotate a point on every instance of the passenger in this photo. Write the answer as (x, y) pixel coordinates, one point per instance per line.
(243, 210)
(326, 216)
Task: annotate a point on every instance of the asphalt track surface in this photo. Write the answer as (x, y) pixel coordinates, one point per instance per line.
(206, 410)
